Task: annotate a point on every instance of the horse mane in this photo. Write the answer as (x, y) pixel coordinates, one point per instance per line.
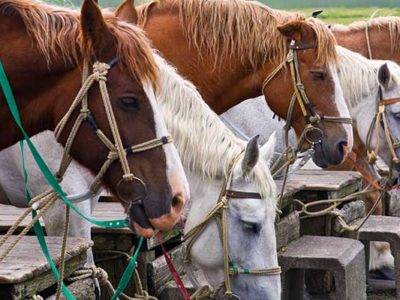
(205, 144)
(359, 75)
(224, 28)
(57, 32)
(390, 22)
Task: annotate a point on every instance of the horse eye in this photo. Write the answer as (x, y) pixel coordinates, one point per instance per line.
(251, 226)
(318, 75)
(397, 115)
(129, 102)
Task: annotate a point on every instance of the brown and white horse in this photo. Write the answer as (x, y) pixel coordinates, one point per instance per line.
(43, 49)
(228, 49)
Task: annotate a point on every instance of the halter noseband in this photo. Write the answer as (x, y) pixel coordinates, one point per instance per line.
(116, 149)
(380, 119)
(311, 117)
(219, 214)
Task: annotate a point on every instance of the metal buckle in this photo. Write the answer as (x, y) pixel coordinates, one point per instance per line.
(134, 187)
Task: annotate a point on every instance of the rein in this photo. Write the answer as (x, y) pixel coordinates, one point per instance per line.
(219, 214)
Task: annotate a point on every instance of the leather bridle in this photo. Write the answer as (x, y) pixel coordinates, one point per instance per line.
(219, 214)
(380, 120)
(311, 133)
(116, 149)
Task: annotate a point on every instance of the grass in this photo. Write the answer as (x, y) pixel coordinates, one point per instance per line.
(346, 15)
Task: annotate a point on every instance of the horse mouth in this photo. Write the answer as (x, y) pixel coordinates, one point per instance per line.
(139, 222)
(319, 156)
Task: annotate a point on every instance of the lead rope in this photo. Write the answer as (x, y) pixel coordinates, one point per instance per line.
(63, 250)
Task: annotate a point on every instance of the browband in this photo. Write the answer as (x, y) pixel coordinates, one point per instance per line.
(242, 195)
(302, 46)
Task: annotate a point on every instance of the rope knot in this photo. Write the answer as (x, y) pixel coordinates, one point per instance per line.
(85, 112)
(100, 274)
(112, 155)
(128, 177)
(100, 71)
(224, 202)
(371, 156)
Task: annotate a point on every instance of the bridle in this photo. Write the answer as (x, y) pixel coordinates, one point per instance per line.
(116, 148)
(311, 133)
(219, 214)
(380, 120)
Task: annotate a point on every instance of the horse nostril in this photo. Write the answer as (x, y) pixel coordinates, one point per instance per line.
(177, 202)
(341, 146)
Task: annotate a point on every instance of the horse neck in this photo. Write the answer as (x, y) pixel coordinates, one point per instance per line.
(37, 90)
(355, 39)
(223, 84)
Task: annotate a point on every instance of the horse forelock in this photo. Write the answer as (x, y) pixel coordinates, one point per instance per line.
(57, 32)
(221, 29)
(205, 144)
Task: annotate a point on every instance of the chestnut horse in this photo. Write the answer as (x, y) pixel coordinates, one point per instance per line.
(231, 49)
(378, 31)
(44, 50)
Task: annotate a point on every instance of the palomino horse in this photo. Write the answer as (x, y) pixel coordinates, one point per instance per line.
(208, 149)
(242, 52)
(44, 50)
(360, 82)
(371, 38)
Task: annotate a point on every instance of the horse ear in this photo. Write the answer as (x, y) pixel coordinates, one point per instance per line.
(95, 33)
(298, 31)
(127, 12)
(251, 155)
(384, 75)
(268, 149)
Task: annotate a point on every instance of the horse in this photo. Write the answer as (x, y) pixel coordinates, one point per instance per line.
(207, 156)
(208, 148)
(361, 80)
(48, 53)
(243, 50)
(370, 38)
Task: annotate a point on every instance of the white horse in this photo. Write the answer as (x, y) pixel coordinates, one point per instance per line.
(360, 79)
(76, 182)
(207, 148)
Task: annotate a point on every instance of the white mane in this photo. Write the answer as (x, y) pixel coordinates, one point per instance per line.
(205, 144)
(359, 75)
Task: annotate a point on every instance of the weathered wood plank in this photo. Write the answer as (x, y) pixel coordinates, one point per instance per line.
(25, 271)
(32, 263)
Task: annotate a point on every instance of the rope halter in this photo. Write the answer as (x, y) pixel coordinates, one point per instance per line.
(219, 213)
(380, 120)
(115, 146)
(311, 133)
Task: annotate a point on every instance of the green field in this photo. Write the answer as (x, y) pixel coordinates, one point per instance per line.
(346, 15)
(335, 11)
